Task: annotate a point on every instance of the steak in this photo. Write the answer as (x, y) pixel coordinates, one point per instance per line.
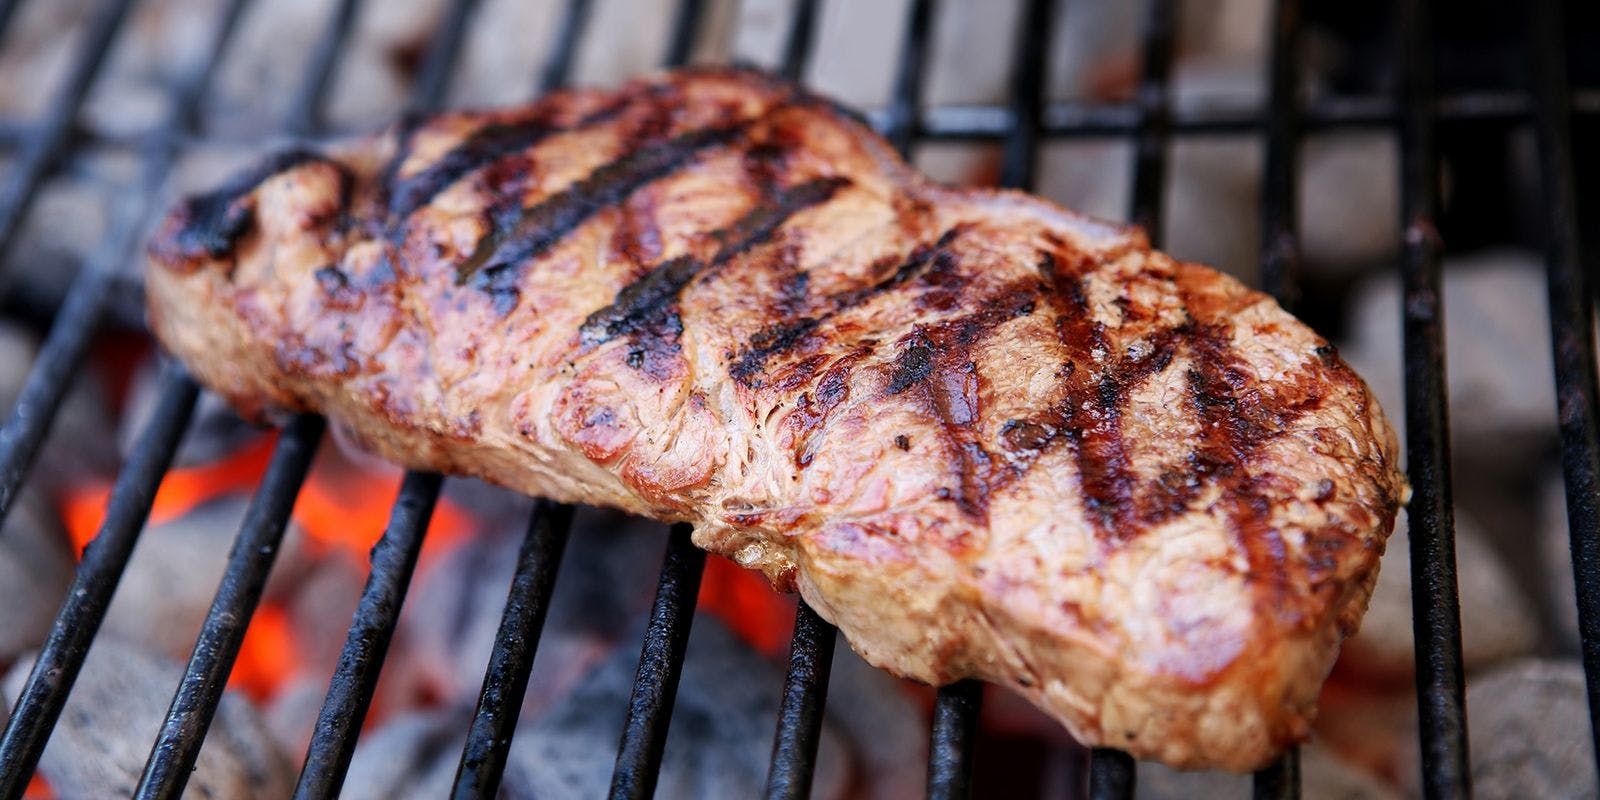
(983, 435)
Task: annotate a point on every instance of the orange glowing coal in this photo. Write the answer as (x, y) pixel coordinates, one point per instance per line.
(745, 602)
(342, 510)
(38, 789)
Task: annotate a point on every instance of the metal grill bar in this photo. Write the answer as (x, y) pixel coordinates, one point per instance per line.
(956, 707)
(797, 48)
(805, 693)
(505, 680)
(1436, 605)
(483, 760)
(183, 732)
(305, 113)
(557, 68)
(1280, 242)
(1077, 120)
(8, 9)
(1572, 338)
(428, 93)
(1150, 144)
(805, 690)
(955, 726)
(255, 549)
(394, 558)
(1280, 256)
(655, 685)
(1111, 772)
(1019, 161)
(104, 560)
(684, 32)
(905, 105)
(51, 140)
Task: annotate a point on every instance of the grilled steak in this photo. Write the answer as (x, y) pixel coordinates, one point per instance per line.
(983, 435)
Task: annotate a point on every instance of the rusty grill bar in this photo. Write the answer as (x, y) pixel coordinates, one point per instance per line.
(1020, 126)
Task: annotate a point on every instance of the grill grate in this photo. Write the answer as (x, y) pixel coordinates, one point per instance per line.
(1021, 125)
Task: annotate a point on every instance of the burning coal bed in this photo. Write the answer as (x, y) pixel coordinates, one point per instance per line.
(873, 745)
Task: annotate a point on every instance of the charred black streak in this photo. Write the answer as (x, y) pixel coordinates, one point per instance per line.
(649, 303)
(493, 265)
(481, 148)
(788, 333)
(214, 221)
(913, 365)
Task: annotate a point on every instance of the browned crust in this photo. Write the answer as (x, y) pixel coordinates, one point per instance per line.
(983, 435)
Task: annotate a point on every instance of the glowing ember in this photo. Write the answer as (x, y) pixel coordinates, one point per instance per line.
(38, 789)
(342, 509)
(268, 657)
(746, 603)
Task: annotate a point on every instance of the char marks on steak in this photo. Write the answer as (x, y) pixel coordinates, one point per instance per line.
(983, 435)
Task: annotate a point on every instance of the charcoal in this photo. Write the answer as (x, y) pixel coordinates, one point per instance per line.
(410, 755)
(1504, 623)
(721, 731)
(448, 626)
(99, 747)
(35, 570)
(1529, 726)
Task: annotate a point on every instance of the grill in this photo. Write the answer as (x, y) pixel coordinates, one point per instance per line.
(1020, 126)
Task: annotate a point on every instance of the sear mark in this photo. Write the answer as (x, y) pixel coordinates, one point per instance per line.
(537, 228)
(785, 335)
(484, 146)
(214, 221)
(913, 365)
(646, 310)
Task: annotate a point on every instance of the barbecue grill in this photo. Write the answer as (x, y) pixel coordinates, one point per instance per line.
(1020, 126)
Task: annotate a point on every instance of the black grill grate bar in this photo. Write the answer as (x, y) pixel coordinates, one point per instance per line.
(505, 679)
(1150, 144)
(1077, 120)
(805, 689)
(905, 105)
(177, 746)
(1280, 255)
(1019, 161)
(655, 685)
(483, 760)
(51, 140)
(255, 549)
(685, 32)
(557, 69)
(1280, 242)
(1435, 602)
(805, 694)
(1572, 337)
(394, 558)
(957, 706)
(428, 93)
(8, 10)
(78, 318)
(1111, 772)
(305, 111)
(55, 670)
(797, 47)
(955, 727)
